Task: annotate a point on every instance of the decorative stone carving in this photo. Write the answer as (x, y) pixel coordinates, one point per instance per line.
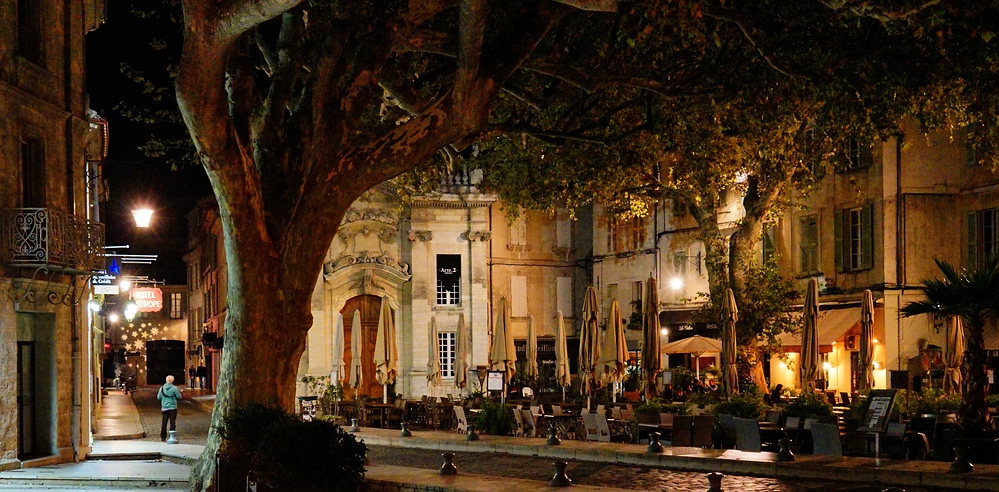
(421, 236)
(382, 215)
(479, 235)
(369, 257)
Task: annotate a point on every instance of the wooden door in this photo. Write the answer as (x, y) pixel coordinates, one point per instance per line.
(369, 307)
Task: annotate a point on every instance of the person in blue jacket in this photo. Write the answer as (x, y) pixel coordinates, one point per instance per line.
(168, 396)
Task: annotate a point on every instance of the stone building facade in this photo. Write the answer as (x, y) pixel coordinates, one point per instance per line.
(50, 241)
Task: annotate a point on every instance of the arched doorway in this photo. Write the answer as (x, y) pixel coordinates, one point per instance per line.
(369, 307)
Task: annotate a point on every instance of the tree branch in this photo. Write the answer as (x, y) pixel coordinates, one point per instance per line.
(592, 5)
(471, 28)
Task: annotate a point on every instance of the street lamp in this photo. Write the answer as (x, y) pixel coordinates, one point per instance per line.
(130, 309)
(142, 217)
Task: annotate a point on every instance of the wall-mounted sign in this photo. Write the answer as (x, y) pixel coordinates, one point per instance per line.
(103, 280)
(149, 299)
(106, 289)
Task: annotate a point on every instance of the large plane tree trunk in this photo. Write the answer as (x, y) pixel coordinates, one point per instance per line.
(278, 98)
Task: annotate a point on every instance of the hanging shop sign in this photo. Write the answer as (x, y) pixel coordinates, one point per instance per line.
(149, 299)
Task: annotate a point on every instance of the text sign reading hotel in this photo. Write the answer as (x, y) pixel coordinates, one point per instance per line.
(149, 299)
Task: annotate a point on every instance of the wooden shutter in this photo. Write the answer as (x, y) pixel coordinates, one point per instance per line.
(971, 240)
(867, 236)
(838, 238)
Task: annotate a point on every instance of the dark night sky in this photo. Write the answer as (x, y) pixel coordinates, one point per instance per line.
(133, 178)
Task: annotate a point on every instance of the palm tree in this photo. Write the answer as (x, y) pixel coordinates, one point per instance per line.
(974, 296)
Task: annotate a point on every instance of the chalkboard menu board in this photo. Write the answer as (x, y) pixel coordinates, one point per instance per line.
(495, 380)
(877, 410)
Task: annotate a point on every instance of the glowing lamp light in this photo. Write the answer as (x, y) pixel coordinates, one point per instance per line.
(130, 309)
(676, 283)
(826, 365)
(93, 305)
(664, 331)
(142, 217)
(876, 365)
(783, 365)
(124, 285)
(113, 317)
(875, 341)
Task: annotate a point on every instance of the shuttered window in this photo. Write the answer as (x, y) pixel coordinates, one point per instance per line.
(982, 236)
(808, 244)
(854, 234)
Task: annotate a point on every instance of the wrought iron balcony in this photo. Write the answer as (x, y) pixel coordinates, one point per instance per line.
(40, 237)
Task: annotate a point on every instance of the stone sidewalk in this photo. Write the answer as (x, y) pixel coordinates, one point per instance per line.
(119, 463)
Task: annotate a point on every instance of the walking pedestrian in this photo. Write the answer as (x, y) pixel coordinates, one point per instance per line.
(168, 396)
(192, 377)
(202, 375)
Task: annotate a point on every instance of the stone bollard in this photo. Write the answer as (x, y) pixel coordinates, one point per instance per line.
(448, 467)
(353, 426)
(714, 479)
(405, 430)
(560, 479)
(172, 439)
(785, 453)
(654, 445)
(961, 462)
(470, 434)
(553, 439)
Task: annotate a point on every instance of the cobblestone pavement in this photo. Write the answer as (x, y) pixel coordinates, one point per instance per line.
(192, 420)
(605, 475)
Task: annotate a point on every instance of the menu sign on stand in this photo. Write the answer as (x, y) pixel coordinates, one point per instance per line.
(876, 412)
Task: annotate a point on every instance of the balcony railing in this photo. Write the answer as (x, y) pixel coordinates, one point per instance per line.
(39, 237)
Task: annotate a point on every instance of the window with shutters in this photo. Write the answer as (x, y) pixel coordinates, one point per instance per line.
(627, 235)
(808, 244)
(448, 280)
(854, 238)
(982, 236)
(29, 30)
(859, 155)
(176, 311)
(32, 173)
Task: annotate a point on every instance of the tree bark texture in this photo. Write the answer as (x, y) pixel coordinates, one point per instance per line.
(282, 99)
(975, 383)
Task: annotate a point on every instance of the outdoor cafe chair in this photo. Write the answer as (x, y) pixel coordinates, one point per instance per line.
(530, 424)
(605, 434)
(747, 435)
(590, 424)
(519, 418)
(703, 430)
(682, 428)
(557, 411)
(825, 439)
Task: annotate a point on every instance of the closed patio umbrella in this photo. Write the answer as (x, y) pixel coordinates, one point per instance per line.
(338, 373)
(461, 354)
(866, 380)
(386, 354)
(356, 348)
(614, 350)
(433, 356)
(503, 354)
(954, 355)
(531, 367)
(809, 364)
(651, 339)
(695, 346)
(562, 376)
(730, 315)
(589, 342)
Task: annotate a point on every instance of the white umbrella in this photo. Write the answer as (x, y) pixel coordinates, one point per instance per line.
(356, 348)
(433, 355)
(809, 365)
(562, 376)
(651, 339)
(503, 354)
(461, 354)
(386, 354)
(531, 367)
(338, 373)
(589, 343)
(866, 380)
(730, 315)
(695, 346)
